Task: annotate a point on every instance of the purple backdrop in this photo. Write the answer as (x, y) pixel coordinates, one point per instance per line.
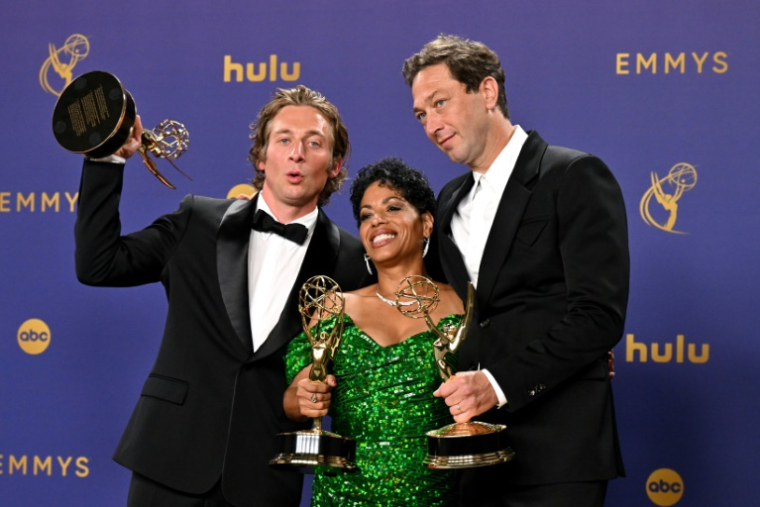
(645, 85)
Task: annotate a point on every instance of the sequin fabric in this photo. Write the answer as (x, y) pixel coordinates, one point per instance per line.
(384, 400)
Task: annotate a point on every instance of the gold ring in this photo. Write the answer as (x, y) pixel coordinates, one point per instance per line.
(314, 398)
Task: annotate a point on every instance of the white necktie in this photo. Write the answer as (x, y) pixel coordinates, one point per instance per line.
(479, 228)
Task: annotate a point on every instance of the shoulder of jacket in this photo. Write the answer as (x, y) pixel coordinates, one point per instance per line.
(453, 184)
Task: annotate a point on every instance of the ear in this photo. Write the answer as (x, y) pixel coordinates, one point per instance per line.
(490, 90)
(427, 224)
(260, 166)
(336, 169)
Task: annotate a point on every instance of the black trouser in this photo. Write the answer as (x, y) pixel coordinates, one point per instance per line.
(570, 494)
(144, 492)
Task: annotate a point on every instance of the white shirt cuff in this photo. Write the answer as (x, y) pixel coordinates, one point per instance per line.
(496, 388)
(114, 159)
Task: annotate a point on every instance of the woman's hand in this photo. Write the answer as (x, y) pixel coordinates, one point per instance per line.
(305, 399)
(313, 398)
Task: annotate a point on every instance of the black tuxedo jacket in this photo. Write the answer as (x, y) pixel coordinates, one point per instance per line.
(210, 407)
(551, 301)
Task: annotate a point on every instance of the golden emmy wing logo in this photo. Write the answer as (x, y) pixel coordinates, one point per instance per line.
(63, 60)
(667, 191)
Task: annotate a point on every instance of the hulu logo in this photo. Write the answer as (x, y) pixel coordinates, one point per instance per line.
(257, 72)
(639, 352)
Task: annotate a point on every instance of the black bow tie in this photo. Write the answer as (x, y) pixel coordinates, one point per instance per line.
(263, 222)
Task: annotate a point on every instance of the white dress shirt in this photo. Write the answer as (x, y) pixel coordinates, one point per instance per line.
(474, 216)
(273, 265)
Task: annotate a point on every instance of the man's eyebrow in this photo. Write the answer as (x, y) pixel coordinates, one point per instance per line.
(288, 130)
(424, 100)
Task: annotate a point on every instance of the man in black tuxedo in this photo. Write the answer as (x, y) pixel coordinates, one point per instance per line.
(204, 428)
(541, 231)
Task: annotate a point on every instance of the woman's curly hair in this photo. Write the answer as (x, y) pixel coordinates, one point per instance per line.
(392, 172)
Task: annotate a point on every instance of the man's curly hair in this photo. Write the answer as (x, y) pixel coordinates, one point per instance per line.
(393, 173)
(469, 62)
(301, 96)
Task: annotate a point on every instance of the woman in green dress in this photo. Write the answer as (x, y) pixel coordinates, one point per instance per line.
(384, 372)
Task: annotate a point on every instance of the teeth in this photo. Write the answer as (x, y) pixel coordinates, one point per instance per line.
(382, 237)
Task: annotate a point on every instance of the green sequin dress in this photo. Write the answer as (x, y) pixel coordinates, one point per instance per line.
(384, 400)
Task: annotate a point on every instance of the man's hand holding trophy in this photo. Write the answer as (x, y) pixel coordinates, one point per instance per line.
(461, 445)
(97, 117)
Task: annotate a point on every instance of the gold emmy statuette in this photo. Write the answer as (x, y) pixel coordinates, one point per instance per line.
(305, 451)
(461, 445)
(95, 116)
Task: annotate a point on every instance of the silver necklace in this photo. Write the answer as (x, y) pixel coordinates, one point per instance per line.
(393, 303)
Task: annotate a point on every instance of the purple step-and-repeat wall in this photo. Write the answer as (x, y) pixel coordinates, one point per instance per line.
(665, 92)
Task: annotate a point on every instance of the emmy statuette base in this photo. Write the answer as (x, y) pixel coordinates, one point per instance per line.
(311, 450)
(467, 445)
(94, 115)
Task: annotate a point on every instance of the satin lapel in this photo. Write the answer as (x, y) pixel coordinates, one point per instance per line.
(321, 258)
(509, 214)
(232, 266)
(451, 257)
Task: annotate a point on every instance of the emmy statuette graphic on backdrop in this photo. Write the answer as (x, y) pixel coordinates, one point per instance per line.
(681, 178)
(460, 445)
(320, 299)
(63, 60)
(95, 116)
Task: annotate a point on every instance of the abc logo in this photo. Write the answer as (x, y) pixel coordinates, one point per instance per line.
(34, 336)
(665, 487)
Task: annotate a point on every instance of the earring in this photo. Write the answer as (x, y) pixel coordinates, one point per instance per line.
(426, 242)
(366, 260)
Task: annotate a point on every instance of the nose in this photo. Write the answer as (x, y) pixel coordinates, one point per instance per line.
(296, 154)
(432, 125)
(377, 219)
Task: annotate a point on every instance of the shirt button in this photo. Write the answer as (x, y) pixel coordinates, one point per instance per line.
(485, 323)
